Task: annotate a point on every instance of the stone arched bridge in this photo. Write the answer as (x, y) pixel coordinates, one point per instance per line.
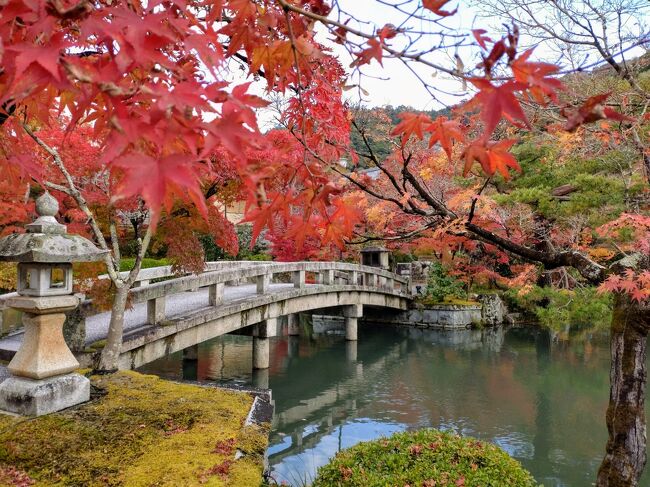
(180, 312)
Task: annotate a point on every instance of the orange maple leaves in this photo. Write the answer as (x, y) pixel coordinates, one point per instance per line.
(442, 130)
(492, 156)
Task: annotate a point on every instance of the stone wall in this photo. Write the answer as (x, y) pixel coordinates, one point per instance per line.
(447, 317)
(493, 310)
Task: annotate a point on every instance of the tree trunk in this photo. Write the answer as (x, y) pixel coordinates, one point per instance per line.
(111, 353)
(625, 455)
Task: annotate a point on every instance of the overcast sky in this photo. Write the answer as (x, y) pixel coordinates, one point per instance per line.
(393, 83)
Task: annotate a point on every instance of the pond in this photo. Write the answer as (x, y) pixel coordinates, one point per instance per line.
(543, 402)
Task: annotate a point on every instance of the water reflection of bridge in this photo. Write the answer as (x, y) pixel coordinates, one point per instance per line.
(311, 418)
(306, 420)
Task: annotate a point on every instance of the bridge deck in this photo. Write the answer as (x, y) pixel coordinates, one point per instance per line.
(135, 319)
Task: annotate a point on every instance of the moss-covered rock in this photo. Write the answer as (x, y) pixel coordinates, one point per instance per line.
(424, 458)
(138, 431)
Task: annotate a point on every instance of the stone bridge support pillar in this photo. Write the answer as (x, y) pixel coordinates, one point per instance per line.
(293, 324)
(261, 378)
(261, 352)
(261, 345)
(352, 313)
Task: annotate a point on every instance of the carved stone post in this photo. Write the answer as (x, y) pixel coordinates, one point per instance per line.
(299, 279)
(216, 294)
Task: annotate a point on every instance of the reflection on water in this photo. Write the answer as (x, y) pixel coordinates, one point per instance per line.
(543, 402)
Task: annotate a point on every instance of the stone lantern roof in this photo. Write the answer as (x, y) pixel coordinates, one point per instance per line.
(46, 240)
(374, 249)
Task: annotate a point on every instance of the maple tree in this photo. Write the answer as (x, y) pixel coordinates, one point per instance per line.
(152, 81)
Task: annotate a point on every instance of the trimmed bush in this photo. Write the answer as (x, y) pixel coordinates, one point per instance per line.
(127, 263)
(424, 458)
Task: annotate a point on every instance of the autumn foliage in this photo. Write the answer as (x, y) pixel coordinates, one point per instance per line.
(138, 93)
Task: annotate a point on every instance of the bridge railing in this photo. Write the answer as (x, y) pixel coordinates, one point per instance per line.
(10, 319)
(145, 276)
(331, 273)
(218, 273)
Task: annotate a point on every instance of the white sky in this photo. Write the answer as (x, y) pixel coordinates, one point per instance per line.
(393, 84)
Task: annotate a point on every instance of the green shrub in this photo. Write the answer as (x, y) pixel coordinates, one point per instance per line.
(424, 458)
(258, 257)
(441, 285)
(558, 309)
(127, 263)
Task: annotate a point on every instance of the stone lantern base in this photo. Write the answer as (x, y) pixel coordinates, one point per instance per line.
(29, 397)
(41, 379)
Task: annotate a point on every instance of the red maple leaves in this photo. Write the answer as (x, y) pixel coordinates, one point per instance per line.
(151, 83)
(375, 47)
(492, 156)
(443, 131)
(590, 111)
(635, 284)
(497, 102)
(436, 6)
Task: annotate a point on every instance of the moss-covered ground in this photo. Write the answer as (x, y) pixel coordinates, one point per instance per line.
(138, 430)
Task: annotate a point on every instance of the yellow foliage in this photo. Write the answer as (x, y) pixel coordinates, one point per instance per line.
(601, 253)
(8, 275)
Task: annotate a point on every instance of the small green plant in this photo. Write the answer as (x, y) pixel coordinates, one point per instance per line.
(441, 285)
(424, 458)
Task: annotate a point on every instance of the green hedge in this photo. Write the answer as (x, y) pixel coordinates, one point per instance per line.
(424, 458)
(127, 263)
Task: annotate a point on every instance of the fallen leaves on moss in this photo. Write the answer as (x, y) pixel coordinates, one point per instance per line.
(143, 431)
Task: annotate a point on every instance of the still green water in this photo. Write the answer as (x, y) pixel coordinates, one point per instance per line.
(543, 402)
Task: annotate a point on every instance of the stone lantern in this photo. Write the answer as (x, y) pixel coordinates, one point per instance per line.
(376, 257)
(41, 379)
